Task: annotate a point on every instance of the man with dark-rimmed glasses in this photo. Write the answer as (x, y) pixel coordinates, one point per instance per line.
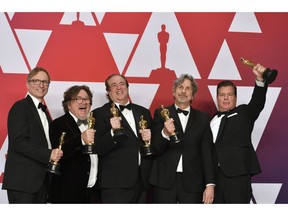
(29, 148)
(77, 182)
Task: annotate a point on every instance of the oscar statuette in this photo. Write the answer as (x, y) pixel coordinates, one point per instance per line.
(119, 133)
(166, 116)
(54, 167)
(90, 148)
(268, 75)
(145, 149)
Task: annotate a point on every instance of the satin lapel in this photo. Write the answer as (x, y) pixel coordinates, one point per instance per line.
(35, 112)
(136, 115)
(71, 124)
(174, 115)
(125, 124)
(47, 113)
(221, 127)
(191, 119)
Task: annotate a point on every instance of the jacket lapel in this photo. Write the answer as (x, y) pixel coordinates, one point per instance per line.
(71, 124)
(35, 112)
(136, 115)
(221, 127)
(174, 115)
(191, 119)
(124, 122)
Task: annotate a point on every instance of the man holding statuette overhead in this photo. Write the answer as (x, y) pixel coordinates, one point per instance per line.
(232, 127)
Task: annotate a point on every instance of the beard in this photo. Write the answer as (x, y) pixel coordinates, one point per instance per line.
(182, 99)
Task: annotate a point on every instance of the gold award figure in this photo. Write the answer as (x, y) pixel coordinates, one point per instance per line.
(54, 167)
(119, 133)
(90, 147)
(268, 75)
(145, 149)
(166, 116)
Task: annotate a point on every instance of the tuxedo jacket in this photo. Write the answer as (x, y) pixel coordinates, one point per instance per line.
(71, 185)
(118, 162)
(196, 147)
(28, 153)
(235, 152)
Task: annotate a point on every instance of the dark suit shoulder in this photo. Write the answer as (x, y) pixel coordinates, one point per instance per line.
(141, 108)
(199, 112)
(22, 105)
(103, 109)
(62, 119)
(22, 102)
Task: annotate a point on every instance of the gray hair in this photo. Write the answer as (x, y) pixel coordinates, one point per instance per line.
(181, 79)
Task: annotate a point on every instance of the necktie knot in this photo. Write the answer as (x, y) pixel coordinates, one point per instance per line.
(79, 122)
(185, 112)
(128, 106)
(42, 106)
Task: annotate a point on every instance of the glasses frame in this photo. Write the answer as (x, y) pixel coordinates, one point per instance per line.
(80, 100)
(38, 82)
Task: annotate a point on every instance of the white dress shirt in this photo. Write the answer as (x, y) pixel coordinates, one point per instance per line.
(43, 118)
(128, 114)
(183, 120)
(215, 122)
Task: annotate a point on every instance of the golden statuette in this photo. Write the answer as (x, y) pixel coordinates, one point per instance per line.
(54, 166)
(166, 116)
(145, 150)
(268, 75)
(90, 148)
(119, 133)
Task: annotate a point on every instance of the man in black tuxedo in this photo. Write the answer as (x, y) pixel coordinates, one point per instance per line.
(78, 170)
(183, 170)
(29, 149)
(123, 171)
(232, 128)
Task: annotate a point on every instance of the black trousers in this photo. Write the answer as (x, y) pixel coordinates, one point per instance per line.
(232, 190)
(40, 196)
(176, 194)
(135, 194)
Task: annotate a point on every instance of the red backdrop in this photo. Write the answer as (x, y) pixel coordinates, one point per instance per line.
(85, 49)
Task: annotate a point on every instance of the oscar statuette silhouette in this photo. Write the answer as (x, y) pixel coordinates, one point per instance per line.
(54, 166)
(268, 75)
(166, 116)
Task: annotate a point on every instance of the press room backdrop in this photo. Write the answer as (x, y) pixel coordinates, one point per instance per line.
(85, 48)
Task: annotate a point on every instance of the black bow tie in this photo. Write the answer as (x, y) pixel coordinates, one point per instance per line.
(42, 106)
(221, 113)
(79, 122)
(185, 112)
(128, 106)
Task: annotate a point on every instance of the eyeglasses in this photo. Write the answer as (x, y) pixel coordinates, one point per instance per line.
(37, 82)
(80, 100)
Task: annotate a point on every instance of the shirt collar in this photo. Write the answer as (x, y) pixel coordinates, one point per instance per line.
(35, 100)
(187, 108)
